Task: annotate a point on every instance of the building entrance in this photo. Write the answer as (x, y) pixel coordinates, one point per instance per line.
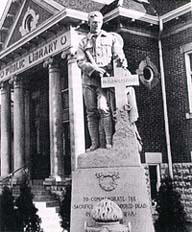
(39, 127)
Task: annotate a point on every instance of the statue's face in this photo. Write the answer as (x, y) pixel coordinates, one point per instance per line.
(95, 24)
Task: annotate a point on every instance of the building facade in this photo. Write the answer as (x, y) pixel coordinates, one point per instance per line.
(43, 124)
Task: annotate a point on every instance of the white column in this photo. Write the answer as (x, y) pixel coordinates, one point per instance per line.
(19, 127)
(55, 121)
(27, 127)
(76, 113)
(5, 129)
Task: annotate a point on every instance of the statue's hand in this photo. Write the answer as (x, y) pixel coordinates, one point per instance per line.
(121, 63)
(100, 71)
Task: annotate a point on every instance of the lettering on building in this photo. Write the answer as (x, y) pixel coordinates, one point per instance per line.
(36, 56)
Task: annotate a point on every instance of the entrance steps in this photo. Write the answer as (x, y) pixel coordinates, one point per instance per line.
(47, 205)
(50, 221)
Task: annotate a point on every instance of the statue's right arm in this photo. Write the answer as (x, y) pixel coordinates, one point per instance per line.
(82, 60)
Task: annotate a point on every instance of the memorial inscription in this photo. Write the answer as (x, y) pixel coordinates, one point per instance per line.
(130, 194)
(128, 204)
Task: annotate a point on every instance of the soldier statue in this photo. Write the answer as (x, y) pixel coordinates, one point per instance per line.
(95, 56)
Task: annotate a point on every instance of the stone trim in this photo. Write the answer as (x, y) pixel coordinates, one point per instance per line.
(51, 3)
(188, 70)
(153, 157)
(25, 28)
(14, 24)
(44, 27)
(176, 13)
(120, 11)
(186, 48)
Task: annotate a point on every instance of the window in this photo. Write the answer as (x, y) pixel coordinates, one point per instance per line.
(154, 175)
(154, 159)
(30, 21)
(188, 63)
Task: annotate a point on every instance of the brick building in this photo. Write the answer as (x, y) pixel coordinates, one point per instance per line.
(41, 84)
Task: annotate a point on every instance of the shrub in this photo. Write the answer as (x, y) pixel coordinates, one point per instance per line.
(7, 212)
(172, 217)
(26, 213)
(65, 208)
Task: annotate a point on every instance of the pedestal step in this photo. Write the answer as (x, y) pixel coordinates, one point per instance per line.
(48, 207)
(41, 194)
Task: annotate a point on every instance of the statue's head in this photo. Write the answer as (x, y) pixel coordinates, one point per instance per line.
(95, 21)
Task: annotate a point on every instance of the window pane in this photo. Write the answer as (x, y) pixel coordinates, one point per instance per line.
(153, 180)
(190, 58)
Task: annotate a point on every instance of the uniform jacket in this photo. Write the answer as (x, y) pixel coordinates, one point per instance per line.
(103, 49)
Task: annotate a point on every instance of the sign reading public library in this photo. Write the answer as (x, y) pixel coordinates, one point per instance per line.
(36, 55)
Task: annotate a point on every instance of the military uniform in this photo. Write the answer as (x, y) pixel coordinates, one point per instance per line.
(98, 51)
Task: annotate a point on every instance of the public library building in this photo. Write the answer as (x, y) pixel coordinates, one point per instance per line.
(43, 127)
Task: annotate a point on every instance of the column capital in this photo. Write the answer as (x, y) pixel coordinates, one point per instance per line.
(71, 58)
(70, 53)
(51, 61)
(4, 85)
(17, 81)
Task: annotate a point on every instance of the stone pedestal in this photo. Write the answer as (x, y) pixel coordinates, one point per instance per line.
(115, 174)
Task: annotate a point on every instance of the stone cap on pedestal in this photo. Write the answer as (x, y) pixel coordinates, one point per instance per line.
(103, 158)
(107, 215)
(107, 211)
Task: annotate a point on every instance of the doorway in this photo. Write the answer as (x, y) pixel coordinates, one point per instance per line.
(39, 127)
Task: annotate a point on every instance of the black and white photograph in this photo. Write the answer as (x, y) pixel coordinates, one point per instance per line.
(95, 115)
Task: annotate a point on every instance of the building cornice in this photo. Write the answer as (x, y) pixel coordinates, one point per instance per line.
(82, 16)
(177, 12)
(52, 3)
(5, 12)
(139, 15)
(14, 24)
(66, 13)
(133, 14)
(107, 2)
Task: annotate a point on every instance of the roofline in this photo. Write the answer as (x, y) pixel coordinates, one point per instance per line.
(120, 11)
(52, 3)
(76, 14)
(44, 27)
(57, 7)
(133, 14)
(5, 12)
(177, 12)
(107, 2)
(14, 24)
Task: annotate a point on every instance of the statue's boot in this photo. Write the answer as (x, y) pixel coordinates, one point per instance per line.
(93, 127)
(102, 142)
(108, 129)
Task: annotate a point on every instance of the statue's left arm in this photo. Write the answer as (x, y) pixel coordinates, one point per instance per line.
(117, 50)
